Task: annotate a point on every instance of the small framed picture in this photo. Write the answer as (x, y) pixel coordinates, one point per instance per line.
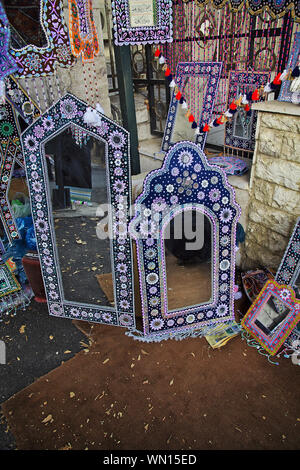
(273, 315)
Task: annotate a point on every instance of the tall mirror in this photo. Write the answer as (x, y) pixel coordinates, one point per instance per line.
(79, 193)
(79, 185)
(188, 256)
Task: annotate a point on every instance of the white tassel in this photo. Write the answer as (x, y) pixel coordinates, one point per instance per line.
(92, 118)
(184, 105)
(172, 84)
(283, 75)
(228, 114)
(161, 60)
(244, 100)
(197, 131)
(267, 88)
(211, 124)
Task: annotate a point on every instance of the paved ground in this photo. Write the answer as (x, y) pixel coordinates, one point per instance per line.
(36, 343)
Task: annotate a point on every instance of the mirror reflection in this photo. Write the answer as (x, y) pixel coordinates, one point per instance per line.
(272, 313)
(189, 260)
(242, 124)
(78, 187)
(194, 91)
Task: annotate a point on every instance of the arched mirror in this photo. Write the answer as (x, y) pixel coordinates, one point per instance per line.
(184, 226)
(188, 242)
(79, 181)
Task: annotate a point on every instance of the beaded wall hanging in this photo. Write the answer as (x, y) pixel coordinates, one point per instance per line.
(276, 8)
(20, 100)
(82, 30)
(289, 269)
(240, 131)
(142, 21)
(33, 61)
(272, 316)
(186, 182)
(210, 73)
(68, 111)
(287, 91)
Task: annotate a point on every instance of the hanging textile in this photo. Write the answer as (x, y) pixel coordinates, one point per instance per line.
(276, 8)
(82, 30)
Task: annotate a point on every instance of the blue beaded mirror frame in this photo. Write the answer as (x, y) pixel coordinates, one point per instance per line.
(184, 71)
(69, 110)
(210, 194)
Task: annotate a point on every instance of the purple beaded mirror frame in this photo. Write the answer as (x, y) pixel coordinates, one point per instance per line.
(185, 182)
(142, 22)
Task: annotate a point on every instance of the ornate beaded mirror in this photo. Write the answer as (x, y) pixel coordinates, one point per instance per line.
(289, 269)
(78, 172)
(142, 21)
(51, 42)
(184, 227)
(240, 131)
(198, 83)
(273, 315)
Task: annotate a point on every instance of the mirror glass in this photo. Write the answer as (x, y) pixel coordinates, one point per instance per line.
(194, 91)
(77, 181)
(188, 242)
(242, 124)
(271, 314)
(24, 19)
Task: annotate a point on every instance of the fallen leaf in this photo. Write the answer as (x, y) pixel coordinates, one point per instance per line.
(46, 420)
(72, 394)
(144, 352)
(105, 361)
(67, 352)
(22, 329)
(146, 427)
(51, 337)
(171, 382)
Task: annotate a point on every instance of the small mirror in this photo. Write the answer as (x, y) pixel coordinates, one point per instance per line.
(271, 315)
(188, 258)
(78, 187)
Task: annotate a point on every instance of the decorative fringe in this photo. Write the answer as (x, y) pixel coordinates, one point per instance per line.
(254, 344)
(178, 336)
(11, 303)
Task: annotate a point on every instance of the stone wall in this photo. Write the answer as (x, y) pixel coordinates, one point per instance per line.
(73, 79)
(274, 203)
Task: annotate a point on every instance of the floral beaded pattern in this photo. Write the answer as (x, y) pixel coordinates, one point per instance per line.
(289, 268)
(186, 181)
(160, 33)
(285, 93)
(243, 83)
(70, 110)
(211, 71)
(35, 61)
(286, 296)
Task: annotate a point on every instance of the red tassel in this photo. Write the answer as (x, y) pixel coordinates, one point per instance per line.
(247, 108)
(219, 120)
(178, 96)
(167, 72)
(277, 80)
(206, 128)
(157, 53)
(191, 118)
(255, 95)
(233, 106)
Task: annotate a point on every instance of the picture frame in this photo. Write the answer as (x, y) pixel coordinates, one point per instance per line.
(70, 111)
(285, 93)
(142, 22)
(212, 196)
(184, 71)
(240, 130)
(272, 316)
